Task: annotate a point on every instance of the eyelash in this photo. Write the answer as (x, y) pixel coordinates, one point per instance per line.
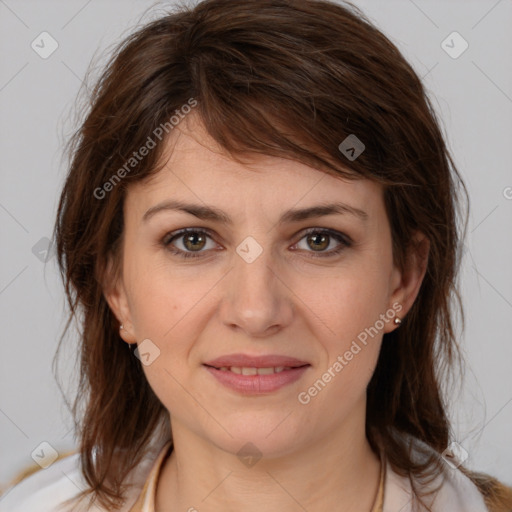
(344, 241)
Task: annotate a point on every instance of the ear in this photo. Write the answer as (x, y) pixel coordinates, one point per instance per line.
(117, 299)
(406, 282)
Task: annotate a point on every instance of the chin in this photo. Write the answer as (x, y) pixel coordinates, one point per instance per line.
(267, 436)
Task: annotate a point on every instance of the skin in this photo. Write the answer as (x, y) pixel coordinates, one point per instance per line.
(287, 301)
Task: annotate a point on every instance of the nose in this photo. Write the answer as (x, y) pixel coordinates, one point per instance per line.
(256, 299)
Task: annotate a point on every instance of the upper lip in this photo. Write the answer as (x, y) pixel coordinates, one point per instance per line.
(246, 361)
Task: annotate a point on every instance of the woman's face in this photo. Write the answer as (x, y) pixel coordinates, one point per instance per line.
(299, 289)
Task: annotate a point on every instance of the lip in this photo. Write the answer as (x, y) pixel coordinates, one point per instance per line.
(256, 384)
(264, 361)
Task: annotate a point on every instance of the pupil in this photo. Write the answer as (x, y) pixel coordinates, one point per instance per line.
(323, 239)
(191, 238)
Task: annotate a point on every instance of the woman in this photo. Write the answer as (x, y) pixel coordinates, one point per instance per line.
(259, 230)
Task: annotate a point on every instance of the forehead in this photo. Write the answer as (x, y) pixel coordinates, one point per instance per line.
(197, 169)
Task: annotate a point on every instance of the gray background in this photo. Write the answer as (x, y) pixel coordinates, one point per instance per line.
(472, 93)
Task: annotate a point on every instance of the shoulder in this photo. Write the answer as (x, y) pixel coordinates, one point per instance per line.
(50, 489)
(455, 492)
(452, 490)
(458, 492)
(46, 489)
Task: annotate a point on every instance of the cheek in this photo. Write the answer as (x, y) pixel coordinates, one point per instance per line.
(171, 310)
(163, 301)
(165, 315)
(349, 303)
(341, 379)
(353, 307)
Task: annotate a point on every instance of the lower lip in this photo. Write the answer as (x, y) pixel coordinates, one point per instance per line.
(257, 384)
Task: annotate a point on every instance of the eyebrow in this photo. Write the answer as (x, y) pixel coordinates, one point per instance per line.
(214, 214)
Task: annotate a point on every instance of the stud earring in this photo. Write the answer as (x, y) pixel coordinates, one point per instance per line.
(397, 321)
(121, 327)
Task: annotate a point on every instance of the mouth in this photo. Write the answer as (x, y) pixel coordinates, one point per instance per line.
(249, 375)
(248, 370)
(258, 362)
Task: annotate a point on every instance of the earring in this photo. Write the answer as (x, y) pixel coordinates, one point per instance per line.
(397, 321)
(121, 327)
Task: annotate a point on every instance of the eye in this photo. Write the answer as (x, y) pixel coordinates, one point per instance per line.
(321, 239)
(193, 241)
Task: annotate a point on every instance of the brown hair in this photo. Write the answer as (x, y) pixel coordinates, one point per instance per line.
(289, 78)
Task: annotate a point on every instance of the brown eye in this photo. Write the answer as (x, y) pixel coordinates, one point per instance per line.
(318, 241)
(188, 243)
(194, 241)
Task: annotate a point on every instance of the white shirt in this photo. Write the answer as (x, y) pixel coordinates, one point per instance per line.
(46, 489)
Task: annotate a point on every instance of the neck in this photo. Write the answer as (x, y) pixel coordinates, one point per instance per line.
(340, 469)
